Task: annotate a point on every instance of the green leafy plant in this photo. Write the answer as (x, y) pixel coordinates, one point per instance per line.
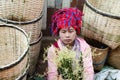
(68, 66)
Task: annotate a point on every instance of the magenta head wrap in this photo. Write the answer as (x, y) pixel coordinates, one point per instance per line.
(65, 18)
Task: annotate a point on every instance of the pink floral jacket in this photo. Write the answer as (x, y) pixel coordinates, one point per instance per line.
(87, 61)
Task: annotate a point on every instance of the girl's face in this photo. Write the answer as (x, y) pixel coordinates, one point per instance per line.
(67, 35)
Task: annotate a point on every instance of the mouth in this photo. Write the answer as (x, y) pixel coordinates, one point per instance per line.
(67, 40)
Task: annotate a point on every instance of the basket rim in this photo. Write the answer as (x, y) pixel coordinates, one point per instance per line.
(100, 11)
(24, 53)
(23, 22)
(24, 73)
(102, 61)
(36, 41)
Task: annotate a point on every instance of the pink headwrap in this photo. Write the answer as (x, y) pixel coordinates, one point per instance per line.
(65, 18)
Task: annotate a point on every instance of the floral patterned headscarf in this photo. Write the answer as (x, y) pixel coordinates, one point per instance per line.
(65, 18)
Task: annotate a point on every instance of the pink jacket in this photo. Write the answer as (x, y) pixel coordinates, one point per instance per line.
(87, 61)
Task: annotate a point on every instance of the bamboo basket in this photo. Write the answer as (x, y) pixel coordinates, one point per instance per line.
(24, 75)
(114, 58)
(21, 9)
(13, 52)
(34, 54)
(99, 53)
(101, 21)
(32, 28)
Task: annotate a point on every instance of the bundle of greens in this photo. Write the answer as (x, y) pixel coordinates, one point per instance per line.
(68, 66)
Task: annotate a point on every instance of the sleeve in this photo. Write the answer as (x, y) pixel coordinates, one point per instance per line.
(88, 64)
(52, 68)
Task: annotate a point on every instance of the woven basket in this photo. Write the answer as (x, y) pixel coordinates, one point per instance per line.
(99, 53)
(13, 52)
(23, 76)
(101, 21)
(34, 54)
(32, 28)
(21, 9)
(114, 58)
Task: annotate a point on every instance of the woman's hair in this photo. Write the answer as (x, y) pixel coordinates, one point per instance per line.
(65, 18)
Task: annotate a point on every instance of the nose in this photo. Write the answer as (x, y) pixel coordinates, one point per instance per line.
(67, 34)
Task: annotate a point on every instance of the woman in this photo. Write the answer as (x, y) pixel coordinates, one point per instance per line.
(67, 23)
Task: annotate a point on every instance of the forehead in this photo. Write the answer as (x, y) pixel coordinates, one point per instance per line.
(68, 28)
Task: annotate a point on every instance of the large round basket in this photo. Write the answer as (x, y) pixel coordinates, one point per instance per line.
(32, 28)
(34, 54)
(101, 21)
(21, 9)
(13, 52)
(99, 53)
(114, 58)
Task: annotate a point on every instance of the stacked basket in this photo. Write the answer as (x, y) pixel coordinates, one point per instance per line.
(26, 14)
(114, 58)
(101, 21)
(14, 47)
(99, 53)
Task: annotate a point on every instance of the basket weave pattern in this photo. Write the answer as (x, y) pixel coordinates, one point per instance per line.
(33, 30)
(34, 55)
(100, 56)
(114, 58)
(21, 9)
(13, 45)
(101, 28)
(99, 53)
(107, 6)
(14, 72)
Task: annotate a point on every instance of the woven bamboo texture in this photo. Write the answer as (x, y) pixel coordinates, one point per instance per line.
(31, 8)
(114, 58)
(32, 29)
(107, 6)
(23, 76)
(15, 71)
(99, 53)
(13, 52)
(99, 56)
(34, 55)
(21, 10)
(101, 27)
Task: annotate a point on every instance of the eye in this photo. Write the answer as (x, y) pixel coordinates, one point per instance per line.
(63, 31)
(71, 30)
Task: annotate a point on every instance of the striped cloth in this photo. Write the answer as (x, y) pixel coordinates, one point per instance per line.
(65, 18)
